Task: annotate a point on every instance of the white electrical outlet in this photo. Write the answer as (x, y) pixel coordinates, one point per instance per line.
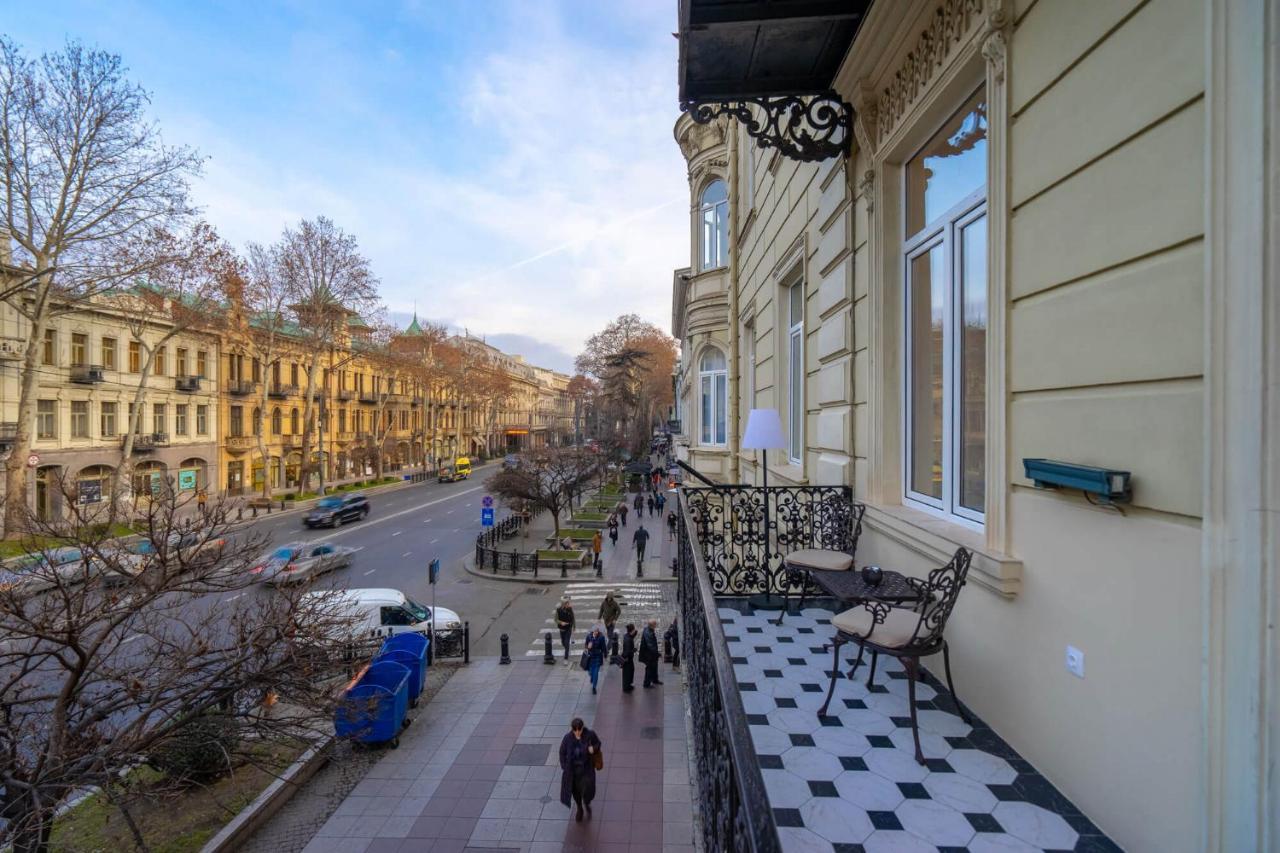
(1075, 661)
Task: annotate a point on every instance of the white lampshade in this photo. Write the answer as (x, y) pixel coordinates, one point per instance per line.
(764, 431)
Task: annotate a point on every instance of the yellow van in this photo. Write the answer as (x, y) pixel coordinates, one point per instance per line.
(462, 467)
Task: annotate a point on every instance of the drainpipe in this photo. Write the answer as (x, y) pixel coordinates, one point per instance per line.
(735, 363)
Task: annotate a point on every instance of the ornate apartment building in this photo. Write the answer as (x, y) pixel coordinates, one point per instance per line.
(1049, 230)
(91, 367)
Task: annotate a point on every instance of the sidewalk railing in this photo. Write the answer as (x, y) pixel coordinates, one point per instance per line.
(729, 786)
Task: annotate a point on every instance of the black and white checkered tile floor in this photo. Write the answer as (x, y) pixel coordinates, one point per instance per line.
(849, 781)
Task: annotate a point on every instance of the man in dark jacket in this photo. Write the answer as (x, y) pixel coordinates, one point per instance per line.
(640, 539)
(564, 621)
(629, 659)
(649, 654)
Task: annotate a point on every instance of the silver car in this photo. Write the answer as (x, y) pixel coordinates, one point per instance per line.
(45, 569)
(136, 555)
(301, 561)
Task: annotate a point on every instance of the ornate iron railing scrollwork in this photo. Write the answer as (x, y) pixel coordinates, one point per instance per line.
(808, 128)
(734, 805)
(742, 550)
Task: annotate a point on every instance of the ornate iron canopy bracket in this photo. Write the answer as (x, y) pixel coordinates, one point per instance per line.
(808, 128)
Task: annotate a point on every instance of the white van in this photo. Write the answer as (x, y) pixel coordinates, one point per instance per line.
(383, 612)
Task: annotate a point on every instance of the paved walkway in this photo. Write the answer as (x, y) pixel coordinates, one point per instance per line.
(479, 769)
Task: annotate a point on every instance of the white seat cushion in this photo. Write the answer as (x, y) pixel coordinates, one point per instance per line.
(896, 631)
(820, 560)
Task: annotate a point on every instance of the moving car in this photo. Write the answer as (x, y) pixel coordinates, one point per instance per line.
(511, 461)
(301, 561)
(43, 570)
(333, 510)
(381, 612)
(459, 470)
(134, 556)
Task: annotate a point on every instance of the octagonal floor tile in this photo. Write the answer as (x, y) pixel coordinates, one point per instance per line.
(868, 791)
(935, 823)
(1035, 825)
(835, 821)
(960, 792)
(786, 789)
(812, 763)
(982, 766)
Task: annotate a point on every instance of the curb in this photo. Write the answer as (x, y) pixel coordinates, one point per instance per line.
(251, 818)
(468, 565)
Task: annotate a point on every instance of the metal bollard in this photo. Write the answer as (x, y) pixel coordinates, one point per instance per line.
(506, 651)
(564, 569)
(548, 656)
(639, 566)
(466, 642)
(599, 568)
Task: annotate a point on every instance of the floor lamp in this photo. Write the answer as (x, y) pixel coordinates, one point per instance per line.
(764, 433)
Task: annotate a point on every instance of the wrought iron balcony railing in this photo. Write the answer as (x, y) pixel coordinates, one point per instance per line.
(729, 786)
(742, 554)
(88, 374)
(240, 387)
(187, 383)
(279, 391)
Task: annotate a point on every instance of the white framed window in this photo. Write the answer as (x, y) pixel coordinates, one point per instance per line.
(713, 382)
(945, 263)
(748, 167)
(795, 370)
(713, 209)
(749, 369)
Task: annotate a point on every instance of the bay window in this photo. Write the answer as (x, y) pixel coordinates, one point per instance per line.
(713, 208)
(713, 380)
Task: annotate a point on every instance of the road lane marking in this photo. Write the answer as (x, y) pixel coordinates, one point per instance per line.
(131, 639)
(397, 533)
(433, 541)
(371, 571)
(405, 554)
(237, 595)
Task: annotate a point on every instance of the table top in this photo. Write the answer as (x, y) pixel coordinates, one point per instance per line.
(849, 586)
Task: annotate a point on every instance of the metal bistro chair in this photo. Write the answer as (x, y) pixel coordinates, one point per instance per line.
(798, 564)
(906, 634)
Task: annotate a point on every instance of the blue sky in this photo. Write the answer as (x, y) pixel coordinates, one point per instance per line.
(507, 166)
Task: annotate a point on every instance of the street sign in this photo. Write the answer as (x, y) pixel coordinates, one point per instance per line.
(488, 501)
(486, 516)
(433, 571)
(33, 460)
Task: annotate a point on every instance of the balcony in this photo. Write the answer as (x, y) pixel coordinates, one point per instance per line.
(368, 397)
(147, 442)
(279, 391)
(291, 441)
(240, 443)
(189, 384)
(8, 434)
(88, 374)
(240, 387)
(12, 348)
(772, 774)
(345, 395)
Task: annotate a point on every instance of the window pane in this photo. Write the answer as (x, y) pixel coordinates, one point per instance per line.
(925, 382)
(722, 234)
(795, 413)
(721, 403)
(796, 297)
(712, 359)
(973, 364)
(951, 165)
(706, 410)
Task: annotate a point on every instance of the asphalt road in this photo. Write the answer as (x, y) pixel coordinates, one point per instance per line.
(404, 531)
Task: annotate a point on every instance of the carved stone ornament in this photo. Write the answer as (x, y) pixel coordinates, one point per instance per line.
(698, 137)
(807, 128)
(952, 23)
(995, 46)
(865, 188)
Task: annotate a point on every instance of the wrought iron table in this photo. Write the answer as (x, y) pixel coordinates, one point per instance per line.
(849, 587)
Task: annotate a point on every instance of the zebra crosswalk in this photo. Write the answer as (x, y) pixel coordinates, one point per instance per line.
(639, 602)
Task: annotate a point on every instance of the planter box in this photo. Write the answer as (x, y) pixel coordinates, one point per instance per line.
(554, 558)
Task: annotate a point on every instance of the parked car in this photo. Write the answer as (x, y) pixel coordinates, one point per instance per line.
(333, 510)
(300, 561)
(511, 461)
(384, 612)
(134, 556)
(43, 570)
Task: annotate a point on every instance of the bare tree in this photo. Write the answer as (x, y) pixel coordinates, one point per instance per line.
(258, 315)
(83, 174)
(328, 281)
(189, 272)
(546, 478)
(125, 651)
(418, 349)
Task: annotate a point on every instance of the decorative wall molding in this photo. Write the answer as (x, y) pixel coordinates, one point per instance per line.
(995, 45)
(866, 187)
(953, 23)
(808, 128)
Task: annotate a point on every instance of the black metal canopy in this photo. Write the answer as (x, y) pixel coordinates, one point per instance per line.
(770, 64)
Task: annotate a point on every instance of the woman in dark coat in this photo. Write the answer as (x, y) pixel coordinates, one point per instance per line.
(578, 779)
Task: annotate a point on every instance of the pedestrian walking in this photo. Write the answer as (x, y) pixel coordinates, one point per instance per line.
(671, 526)
(652, 504)
(201, 498)
(638, 503)
(622, 512)
(672, 639)
(661, 501)
(580, 756)
(649, 654)
(613, 529)
(640, 538)
(610, 610)
(565, 621)
(597, 648)
(629, 659)
(597, 543)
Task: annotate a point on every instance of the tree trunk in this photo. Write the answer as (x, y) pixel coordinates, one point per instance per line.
(267, 422)
(122, 485)
(308, 422)
(15, 479)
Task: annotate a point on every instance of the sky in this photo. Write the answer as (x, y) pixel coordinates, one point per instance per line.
(507, 165)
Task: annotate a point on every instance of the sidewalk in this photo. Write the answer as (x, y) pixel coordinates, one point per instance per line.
(479, 771)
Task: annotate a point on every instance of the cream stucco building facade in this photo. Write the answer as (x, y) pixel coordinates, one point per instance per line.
(1054, 235)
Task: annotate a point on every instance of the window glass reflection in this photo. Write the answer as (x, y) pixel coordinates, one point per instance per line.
(950, 166)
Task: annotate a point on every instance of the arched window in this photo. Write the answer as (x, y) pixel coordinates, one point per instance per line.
(257, 421)
(293, 421)
(277, 421)
(713, 208)
(713, 380)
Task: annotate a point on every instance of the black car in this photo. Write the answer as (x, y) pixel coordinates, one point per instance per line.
(337, 509)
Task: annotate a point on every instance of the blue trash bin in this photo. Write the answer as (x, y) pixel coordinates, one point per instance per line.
(373, 709)
(417, 671)
(416, 646)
